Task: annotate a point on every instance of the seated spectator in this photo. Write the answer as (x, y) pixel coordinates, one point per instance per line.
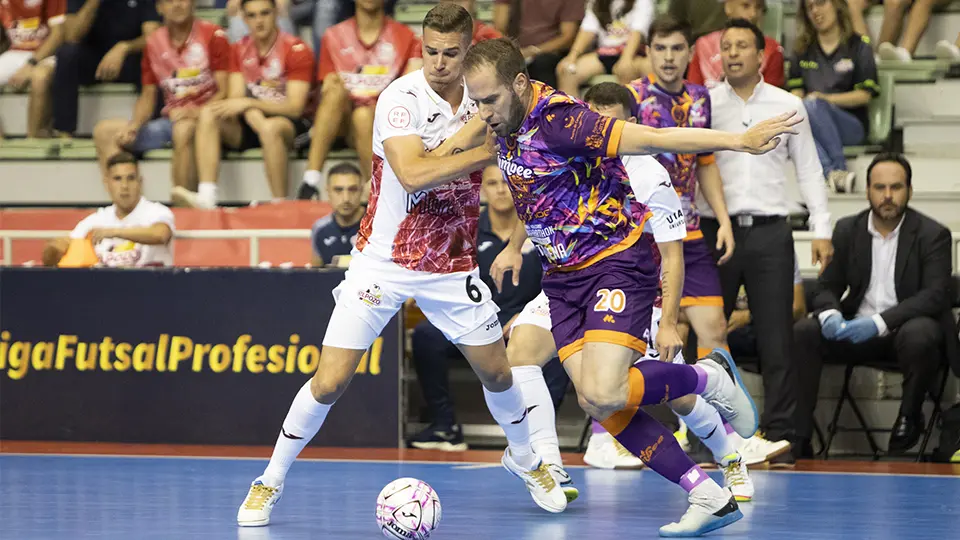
(545, 30)
(703, 16)
(706, 66)
(131, 232)
(359, 58)
(104, 40)
(270, 76)
(237, 28)
(334, 236)
(432, 353)
(481, 31)
(893, 263)
(35, 30)
(833, 69)
(617, 27)
(188, 58)
(894, 13)
(742, 337)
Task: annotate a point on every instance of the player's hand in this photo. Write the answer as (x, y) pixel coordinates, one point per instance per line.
(765, 136)
(21, 78)
(227, 108)
(509, 260)
(127, 135)
(725, 243)
(112, 62)
(822, 252)
(668, 342)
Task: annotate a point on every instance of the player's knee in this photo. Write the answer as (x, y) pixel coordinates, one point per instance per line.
(40, 79)
(333, 88)
(605, 401)
(684, 405)
(327, 387)
(713, 333)
(207, 117)
(497, 380)
(523, 350)
(104, 131)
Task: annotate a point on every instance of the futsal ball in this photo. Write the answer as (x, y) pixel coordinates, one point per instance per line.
(408, 509)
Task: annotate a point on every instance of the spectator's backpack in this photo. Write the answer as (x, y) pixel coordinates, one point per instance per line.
(949, 449)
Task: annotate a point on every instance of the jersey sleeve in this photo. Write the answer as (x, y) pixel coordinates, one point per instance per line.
(651, 186)
(865, 69)
(773, 68)
(219, 51)
(573, 130)
(396, 114)
(300, 63)
(55, 11)
(326, 58)
(590, 21)
(162, 214)
(86, 225)
(795, 77)
(147, 76)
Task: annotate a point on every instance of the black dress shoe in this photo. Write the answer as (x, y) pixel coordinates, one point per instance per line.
(905, 434)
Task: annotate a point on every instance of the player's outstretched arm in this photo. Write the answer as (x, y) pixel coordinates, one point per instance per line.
(471, 135)
(417, 171)
(759, 139)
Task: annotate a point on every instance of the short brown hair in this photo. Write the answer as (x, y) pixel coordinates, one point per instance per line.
(608, 94)
(121, 158)
(447, 18)
(665, 25)
(501, 53)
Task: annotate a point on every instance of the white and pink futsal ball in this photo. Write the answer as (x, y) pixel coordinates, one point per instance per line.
(408, 509)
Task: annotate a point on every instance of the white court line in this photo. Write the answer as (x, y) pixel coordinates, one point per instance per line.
(459, 465)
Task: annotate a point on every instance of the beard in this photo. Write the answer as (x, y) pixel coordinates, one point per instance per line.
(888, 211)
(517, 113)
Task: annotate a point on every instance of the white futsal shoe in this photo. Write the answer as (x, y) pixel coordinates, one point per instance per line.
(726, 392)
(259, 502)
(566, 483)
(736, 478)
(541, 483)
(604, 452)
(707, 512)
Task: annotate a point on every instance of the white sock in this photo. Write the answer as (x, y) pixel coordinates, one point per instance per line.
(543, 418)
(207, 192)
(507, 407)
(299, 428)
(312, 178)
(705, 422)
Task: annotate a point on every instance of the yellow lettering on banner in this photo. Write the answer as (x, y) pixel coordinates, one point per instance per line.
(255, 357)
(143, 356)
(199, 351)
(292, 353)
(180, 348)
(370, 362)
(106, 347)
(19, 360)
(275, 354)
(239, 351)
(4, 347)
(64, 350)
(86, 356)
(42, 356)
(162, 352)
(124, 361)
(220, 358)
(308, 359)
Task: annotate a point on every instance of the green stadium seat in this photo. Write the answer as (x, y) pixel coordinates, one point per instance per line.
(773, 21)
(601, 78)
(412, 14)
(216, 16)
(880, 111)
(159, 155)
(109, 88)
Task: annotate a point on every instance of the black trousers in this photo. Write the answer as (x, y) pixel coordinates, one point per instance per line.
(914, 349)
(763, 263)
(544, 68)
(77, 65)
(432, 354)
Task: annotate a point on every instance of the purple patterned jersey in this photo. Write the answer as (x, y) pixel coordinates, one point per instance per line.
(658, 108)
(576, 211)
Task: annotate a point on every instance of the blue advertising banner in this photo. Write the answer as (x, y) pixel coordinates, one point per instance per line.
(179, 356)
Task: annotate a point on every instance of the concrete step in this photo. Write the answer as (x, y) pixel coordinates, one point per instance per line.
(931, 137)
(114, 101)
(918, 101)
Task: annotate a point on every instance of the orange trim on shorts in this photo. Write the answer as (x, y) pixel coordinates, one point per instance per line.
(712, 301)
(570, 349)
(621, 419)
(707, 160)
(616, 338)
(613, 143)
(693, 235)
(624, 244)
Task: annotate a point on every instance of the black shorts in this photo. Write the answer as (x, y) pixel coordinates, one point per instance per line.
(608, 62)
(249, 138)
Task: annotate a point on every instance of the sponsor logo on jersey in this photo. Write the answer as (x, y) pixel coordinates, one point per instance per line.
(372, 297)
(514, 169)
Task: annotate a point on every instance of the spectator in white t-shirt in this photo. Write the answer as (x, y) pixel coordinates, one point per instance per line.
(132, 232)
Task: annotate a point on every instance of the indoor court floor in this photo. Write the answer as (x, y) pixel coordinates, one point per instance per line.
(73, 496)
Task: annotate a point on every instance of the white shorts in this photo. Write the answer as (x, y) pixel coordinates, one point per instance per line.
(12, 61)
(459, 304)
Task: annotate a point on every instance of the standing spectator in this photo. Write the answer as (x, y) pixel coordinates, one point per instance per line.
(703, 16)
(755, 191)
(188, 58)
(270, 76)
(35, 30)
(617, 27)
(432, 352)
(481, 31)
(104, 40)
(335, 235)
(238, 29)
(884, 301)
(131, 232)
(833, 70)
(359, 58)
(545, 30)
(706, 68)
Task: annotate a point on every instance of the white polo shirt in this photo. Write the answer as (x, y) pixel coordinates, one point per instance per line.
(116, 252)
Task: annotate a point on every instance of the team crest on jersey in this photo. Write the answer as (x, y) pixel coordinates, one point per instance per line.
(372, 297)
(386, 53)
(195, 55)
(273, 70)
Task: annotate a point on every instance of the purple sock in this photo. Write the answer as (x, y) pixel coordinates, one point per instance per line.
(663, 382)
(597, 428)
(657, 447)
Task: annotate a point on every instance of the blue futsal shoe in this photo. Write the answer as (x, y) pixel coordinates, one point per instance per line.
(726, 392)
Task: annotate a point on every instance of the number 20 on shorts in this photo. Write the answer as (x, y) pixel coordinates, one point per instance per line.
(610, 300)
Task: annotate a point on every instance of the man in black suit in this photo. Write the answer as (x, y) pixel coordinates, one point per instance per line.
(896, 263)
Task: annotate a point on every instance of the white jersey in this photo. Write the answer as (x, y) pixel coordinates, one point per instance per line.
(651, 185)
(433, 230)
(115, 252)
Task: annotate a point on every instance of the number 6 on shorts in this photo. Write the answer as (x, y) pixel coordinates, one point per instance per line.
(473, 292)
(610, 300)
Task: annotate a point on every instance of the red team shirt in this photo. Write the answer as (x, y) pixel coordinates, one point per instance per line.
(28, 22)
(366, 70)
(185, 74)
(266, 76)
(706, 66)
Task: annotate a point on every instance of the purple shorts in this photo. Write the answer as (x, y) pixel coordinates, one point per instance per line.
(610, 301)
(701, 280)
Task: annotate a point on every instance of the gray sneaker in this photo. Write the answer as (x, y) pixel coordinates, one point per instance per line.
(726, 392)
